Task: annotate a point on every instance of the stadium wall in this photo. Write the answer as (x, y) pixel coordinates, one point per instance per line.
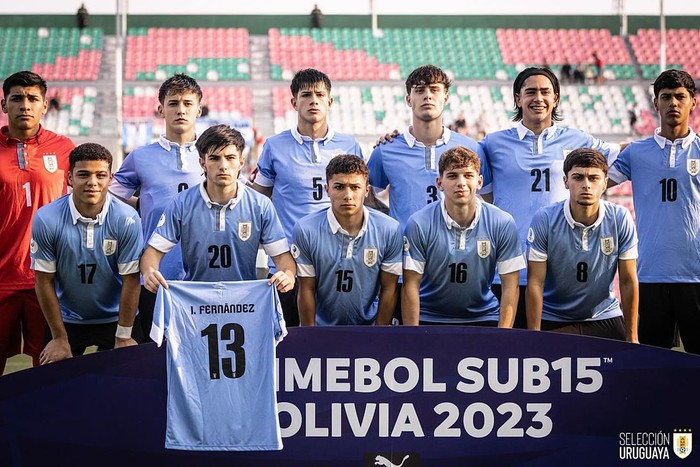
(259, 24)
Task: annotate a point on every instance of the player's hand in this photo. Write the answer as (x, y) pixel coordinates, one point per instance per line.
(119, 342)
(56, 350)
(283, 281)
(153, 279)
(387, 138)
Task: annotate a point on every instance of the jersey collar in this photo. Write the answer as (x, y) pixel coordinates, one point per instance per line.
(573, 224)
(685, 142)
(523, 131)
(412, 141)
(231, 203)
(76, 216)
(166, 144)
(451, 222)
(335, 225)
(6, 138)
(301, 138)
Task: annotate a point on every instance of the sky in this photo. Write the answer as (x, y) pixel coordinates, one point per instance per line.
(383, 7)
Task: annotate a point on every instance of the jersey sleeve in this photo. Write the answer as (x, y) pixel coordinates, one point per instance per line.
(620, 169)
(273, 239)
(279, 326)
(609, 150)
(413, 247)
(377, 177)
(487, 186)
(266, 169)
(169, 227)
(357, 150)
(392, 260)
(126, 181)
(628, 236)
(42, 248)
(509, 255)
(301, 252)
(537, 237)
(161, 315)
(131, 242)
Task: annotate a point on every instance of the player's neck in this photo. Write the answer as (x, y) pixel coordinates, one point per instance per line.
(312, 130)
(462, 214)
(89, 211)
(22, 135)
(585, 215)
(221, 194)
(427, 132)
(674, 132)
(351, 224)
(180, 138)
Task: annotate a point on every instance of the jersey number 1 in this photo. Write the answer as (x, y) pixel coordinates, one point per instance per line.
(225, 365)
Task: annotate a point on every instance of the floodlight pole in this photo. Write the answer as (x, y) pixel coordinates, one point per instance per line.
(373, 13)
(120, 29)
(662, 37)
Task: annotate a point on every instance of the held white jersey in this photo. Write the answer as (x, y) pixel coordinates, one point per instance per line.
(221, 341)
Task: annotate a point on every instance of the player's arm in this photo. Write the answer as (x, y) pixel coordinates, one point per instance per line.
(306, 301)
(265, 190)
(388, 294)
(283, 279)
(410, 297)
(149, 264)
(536, 272)
(58, 348)
(128, 302)
(488, 197)
(629, 293)
(510, 292)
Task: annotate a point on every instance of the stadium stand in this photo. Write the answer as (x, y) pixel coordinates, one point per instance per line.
(682, 51)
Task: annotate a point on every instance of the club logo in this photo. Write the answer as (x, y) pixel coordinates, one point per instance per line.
(33, 246)
(682, 443)
(295, 251)
(244, 230)
(607, 245)
(370, 257)
(50, 162)
(693, 166)
(406, 244)
(109, 246)
(530, 235)
(483, 248)
(393, 459)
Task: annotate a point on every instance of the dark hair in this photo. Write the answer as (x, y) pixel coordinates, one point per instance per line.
(672, 79)
(180, 83)
(307, 78)
(426, 75)
(24, 79)
(458, 157)
(90, 152)
(346, 164)
(218, 137)
(520, 81)
(585, 157)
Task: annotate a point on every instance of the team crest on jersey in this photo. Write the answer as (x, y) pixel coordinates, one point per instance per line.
(406, 244)
(295, 251)
(530, 235)
(693, 166)
(682, 444)
(607, 245)
(161, 221)
(483, 248)
(244, 230)
(33, 246)
(50, 162)
(370, 257)
(109, 246)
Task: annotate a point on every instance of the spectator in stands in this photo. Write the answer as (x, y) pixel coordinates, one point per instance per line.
(339, 286)
(82, 16)
(316, 17)
(599, 68)
(460, 126)
(633, 114)
(220, 223)
(566, 75)
(292, 165)
(579, 74)
(55, 103)
(665, 173)
(85, 253)
(524, 165)
(33, 172)
(452, 248)
(588, 240)
(161, 170)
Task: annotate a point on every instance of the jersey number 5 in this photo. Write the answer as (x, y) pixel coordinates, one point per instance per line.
(225, 365)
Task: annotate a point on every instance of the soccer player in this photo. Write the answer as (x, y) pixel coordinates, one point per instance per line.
(291, 168)
(523, 165)
(664, 172)
(85, 253)
(220, 223)
(33, 172)
(588, 240)
(347, 254)
(409, 164)
(451, 249)
(163, 169)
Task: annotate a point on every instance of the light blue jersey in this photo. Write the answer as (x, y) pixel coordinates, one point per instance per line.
(579, 281)
(160, 170)
(220, 243)
(525, 171)
(666, 189)
(347, 268)
(458, 264)
(220, 364)
(295, 167)
(410, 168)
(88, 256)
